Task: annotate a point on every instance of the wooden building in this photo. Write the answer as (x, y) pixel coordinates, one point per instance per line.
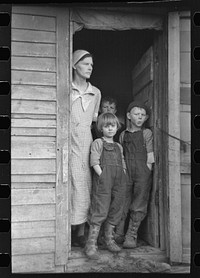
(140, 52)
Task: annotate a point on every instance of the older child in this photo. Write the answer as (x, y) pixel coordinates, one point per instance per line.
(108, 104)
(137, 143)
(108, 185)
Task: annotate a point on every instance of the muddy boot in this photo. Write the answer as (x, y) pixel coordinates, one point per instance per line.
(109, 238)
(119, 232)
(91, 244)
(131, 235)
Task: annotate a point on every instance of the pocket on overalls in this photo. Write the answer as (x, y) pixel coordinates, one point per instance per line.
(99, 177)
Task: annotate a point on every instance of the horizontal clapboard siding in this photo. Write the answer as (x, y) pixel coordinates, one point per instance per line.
(33, 138)
(185, 132)
(33, 263)
(26, 230)
(34, 64)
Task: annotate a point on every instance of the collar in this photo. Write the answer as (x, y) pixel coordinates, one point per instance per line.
(89, 89)
(128, 129)
(85, 97)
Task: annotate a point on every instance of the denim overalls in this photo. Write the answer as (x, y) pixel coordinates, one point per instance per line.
(139, 175)
(108, 192)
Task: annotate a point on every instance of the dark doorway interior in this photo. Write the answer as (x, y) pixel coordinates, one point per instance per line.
(115, 55)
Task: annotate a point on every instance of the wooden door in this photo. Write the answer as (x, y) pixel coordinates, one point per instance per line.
(142, 89)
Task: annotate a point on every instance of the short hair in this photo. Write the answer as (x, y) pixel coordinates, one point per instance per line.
(138, 104)
(109, 99)
(107, 118)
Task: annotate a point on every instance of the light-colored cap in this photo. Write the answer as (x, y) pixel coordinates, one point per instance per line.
(77, 55)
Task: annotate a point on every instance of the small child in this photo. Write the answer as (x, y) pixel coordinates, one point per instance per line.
(108, 104)
(108, 192)
(137, 143)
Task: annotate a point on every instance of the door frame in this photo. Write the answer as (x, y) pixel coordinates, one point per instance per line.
(167, 121)
(63, 180)
(174, 170)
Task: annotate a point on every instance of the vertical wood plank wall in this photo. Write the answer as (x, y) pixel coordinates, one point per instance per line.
(185, 131)
(33, 139)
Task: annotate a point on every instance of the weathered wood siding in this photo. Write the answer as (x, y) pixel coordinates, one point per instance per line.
(185, 130)
(33, 139)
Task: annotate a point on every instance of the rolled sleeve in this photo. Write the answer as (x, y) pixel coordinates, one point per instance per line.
(95, 152)
(150, 157)
(148, 137)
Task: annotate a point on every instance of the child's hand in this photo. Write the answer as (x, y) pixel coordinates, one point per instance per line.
(149, 165)
(97, 169)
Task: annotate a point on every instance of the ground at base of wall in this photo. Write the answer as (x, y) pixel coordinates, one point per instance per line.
(143, 259)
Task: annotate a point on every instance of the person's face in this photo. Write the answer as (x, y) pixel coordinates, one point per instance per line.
(108, 107)
(109, 130)
(84, 67)
(137, 116)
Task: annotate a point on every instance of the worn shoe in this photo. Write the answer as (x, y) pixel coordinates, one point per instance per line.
(131, 235)
(112, 246)
(109, 238)
(91, 249)
(130, 242)
(119, 239)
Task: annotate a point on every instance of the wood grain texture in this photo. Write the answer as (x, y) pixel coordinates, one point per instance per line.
(33, 229)
(185, 67)
(33, 92)
(33, 263)
(33, 107)
(33, 22)
(44, 10)
(63, 192)
(33, 246)
(40, 132)
(33, 196)
(33, 213)
(36, 64)
(33, 166)
(24, 149)
(33, 122)
(33, 178)
(33, 78)
(175, 225)
(33, 49)
(185, 43)
(33, 36)
(33, 185)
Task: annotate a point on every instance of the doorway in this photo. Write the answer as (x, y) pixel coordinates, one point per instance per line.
(116, 54)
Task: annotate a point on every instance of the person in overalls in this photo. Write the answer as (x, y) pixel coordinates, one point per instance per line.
(109, 185)
(137, 143)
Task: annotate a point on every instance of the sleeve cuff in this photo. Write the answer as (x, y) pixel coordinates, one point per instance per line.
(150, 157)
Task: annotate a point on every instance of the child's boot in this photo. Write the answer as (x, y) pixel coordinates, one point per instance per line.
(109, 238)
(91, 244)
(131, 235)
(119, 232)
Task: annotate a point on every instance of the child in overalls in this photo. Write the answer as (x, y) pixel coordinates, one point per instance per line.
(109, 185)
(137, 143)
